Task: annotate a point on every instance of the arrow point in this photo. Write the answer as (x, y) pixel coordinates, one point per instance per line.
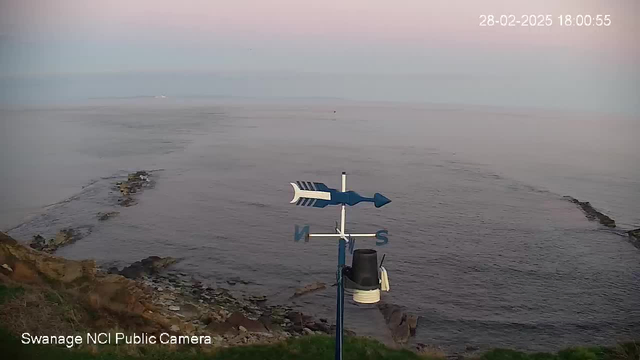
(380, 200)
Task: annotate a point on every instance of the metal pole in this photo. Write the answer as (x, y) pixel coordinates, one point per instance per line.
(341, 261)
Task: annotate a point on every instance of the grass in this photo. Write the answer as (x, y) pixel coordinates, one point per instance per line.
(8, 293)
(304, 348)
(49, 312)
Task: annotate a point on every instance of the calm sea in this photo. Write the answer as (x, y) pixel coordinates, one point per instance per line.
(482, 245)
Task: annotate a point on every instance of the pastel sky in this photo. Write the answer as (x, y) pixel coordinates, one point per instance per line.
(330, 36)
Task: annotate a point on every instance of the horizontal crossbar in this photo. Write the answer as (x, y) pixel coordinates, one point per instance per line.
(340, 235)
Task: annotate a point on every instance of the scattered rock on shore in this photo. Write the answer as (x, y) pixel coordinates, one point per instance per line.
(591, 213)
(402, 324)
(148, 266)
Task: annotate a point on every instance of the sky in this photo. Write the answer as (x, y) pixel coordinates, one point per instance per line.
(408, 42)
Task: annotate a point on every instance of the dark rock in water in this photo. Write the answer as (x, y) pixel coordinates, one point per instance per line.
(309, 288)
(38, 242)
(113, 270)
(401, 333)
(591, 213)
(127, 201)
(402, 324)
(108, 215)
(148, 266)
(634, 235)
(412, 321)
(62, 238)
(134, 184)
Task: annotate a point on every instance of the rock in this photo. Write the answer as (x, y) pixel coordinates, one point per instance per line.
(402, 324)
(107, 215)
(412, 320)
(174, 308)
(134, 184)
(295, 317)
(127, 201)
(430, 351)
(634, 234)
(6, 239)
(242, 328)
(591, 213)
(33, 267)
(6, 269)
(319, 326)
(236, 280)
(38, 242)
(396, 318)
(401, 333)
(308, 331)
(118, 295)
(238, 319)
(62, 238)
(190, 311)
(219, 327)
(256, 298)
(148, 266)
(309, 288)
(175, 328)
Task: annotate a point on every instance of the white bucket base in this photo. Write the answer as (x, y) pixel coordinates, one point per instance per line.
(366, 296)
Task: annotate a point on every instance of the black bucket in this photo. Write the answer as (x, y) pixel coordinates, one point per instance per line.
(364, 268)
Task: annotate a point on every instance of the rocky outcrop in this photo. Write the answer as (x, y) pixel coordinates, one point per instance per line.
(315, 286)
(135, 183)
(149, 266)
(62, 238)
(591, 213)
(401, 323)
(33, 267)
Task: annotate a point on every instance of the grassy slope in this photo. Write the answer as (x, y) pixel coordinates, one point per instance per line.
(304, 348)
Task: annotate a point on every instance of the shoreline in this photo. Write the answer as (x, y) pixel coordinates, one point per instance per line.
(185, 282)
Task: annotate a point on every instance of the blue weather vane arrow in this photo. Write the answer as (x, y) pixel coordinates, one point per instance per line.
(307, 193)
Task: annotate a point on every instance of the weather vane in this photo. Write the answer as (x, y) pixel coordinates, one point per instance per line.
(365, 277)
